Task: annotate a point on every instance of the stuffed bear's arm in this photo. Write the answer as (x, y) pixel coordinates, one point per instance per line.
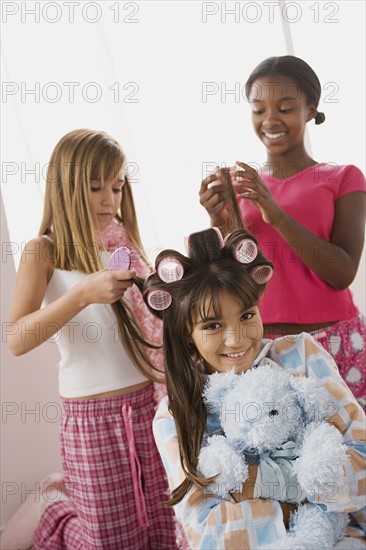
(208, 520)
(302, 355)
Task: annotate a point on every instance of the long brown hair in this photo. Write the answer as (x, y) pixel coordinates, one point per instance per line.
(209, 270)
(80, 157)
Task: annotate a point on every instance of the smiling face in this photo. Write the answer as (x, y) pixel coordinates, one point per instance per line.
(105, 200)
(280, 112)
(230, 340)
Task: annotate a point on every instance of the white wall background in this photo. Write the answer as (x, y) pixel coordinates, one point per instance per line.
(139, 70)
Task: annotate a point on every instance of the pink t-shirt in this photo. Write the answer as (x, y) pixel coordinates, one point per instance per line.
(295, 294)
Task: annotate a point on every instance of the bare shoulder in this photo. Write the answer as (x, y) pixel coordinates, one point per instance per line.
(39, 256)
(34, 273)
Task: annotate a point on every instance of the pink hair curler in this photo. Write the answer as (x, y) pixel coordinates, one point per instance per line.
(170, 270)
(187, 246)
(245, 251)
(120, 260)
(159, 299)
(262, 274)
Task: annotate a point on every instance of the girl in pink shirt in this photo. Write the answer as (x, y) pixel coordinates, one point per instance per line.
(308, 218)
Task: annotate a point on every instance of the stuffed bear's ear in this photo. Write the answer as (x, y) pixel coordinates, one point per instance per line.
(312, 398)
(216, 387)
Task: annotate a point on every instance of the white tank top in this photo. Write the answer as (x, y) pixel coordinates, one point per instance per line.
(93, 359)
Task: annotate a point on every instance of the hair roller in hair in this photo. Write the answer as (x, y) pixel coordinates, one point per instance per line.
(262, 274)
(170, 270)
(120, 260)
(187, 246)
(159, 299)
(245, 251)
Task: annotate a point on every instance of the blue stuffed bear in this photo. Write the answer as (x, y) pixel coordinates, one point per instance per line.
(266, 413)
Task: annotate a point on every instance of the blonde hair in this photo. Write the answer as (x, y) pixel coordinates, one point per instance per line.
(80, 157)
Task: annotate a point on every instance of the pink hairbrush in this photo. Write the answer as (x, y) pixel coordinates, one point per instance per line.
(120, 260)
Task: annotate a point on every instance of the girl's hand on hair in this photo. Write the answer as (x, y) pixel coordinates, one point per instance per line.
(212, 198)
(249, 185)
(106, 287)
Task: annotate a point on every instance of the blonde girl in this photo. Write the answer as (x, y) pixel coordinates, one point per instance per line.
(114, 480)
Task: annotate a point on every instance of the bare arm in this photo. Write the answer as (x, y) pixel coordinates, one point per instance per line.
(29, 324)
(336, 261)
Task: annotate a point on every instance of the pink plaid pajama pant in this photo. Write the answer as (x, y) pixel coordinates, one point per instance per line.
(115, 479)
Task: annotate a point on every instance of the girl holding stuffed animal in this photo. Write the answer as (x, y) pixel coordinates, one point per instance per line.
(308, 217)
(114, 479)
(209, 302)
